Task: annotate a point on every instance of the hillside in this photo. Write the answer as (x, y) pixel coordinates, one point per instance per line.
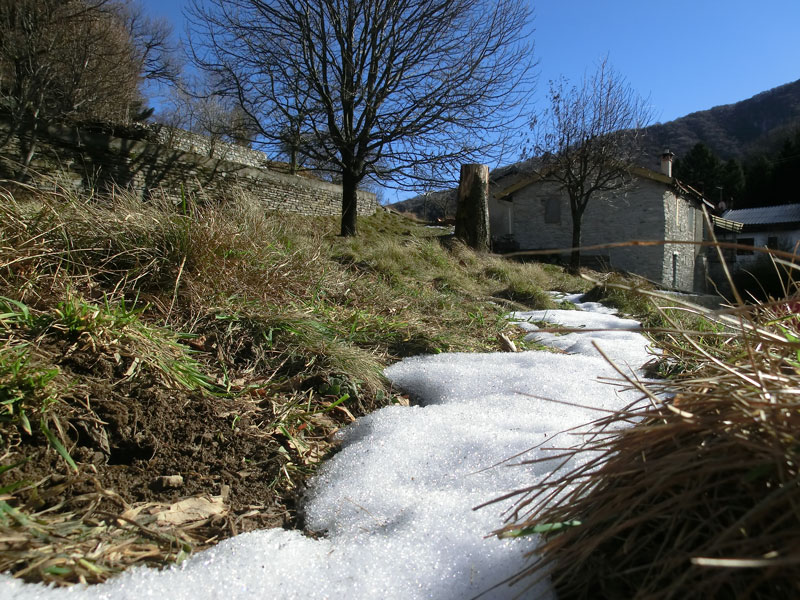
(192, 362)
(740, 130)
(429, 207)
(736, 130)
(172, 376)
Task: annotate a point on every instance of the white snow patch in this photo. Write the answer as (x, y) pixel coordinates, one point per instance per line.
(396, 502)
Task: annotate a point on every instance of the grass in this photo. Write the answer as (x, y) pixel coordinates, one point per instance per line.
(135, 332)
(694, 491)
(139, 337)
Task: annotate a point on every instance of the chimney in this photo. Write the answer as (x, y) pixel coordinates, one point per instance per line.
(666, 163)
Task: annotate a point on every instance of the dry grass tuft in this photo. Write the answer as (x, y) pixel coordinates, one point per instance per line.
(208, 340)
(694, 492)
(95, 542)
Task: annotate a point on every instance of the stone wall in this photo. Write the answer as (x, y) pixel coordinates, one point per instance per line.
(540, 218)
(684, 264)
(173, 163)
(194, 143)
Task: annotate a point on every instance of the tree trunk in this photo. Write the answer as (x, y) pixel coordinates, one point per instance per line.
(29, 138)
(575, 255)
(349, 203)
(472, 213)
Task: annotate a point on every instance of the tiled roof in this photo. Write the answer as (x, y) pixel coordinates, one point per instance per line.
(765, 215)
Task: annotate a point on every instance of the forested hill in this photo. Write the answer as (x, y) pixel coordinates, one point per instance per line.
(738, 130)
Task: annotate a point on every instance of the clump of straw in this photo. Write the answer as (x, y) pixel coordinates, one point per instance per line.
(698, 495)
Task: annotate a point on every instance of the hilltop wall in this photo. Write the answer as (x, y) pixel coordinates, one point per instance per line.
(163, 160)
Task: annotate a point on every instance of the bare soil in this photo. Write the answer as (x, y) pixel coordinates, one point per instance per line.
(130, 437)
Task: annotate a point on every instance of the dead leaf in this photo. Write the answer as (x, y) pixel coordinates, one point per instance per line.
(192, 509)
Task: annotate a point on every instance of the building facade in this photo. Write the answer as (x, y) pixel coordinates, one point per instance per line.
(772, 227)
(531, 213)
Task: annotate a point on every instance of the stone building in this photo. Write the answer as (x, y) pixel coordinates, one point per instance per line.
(528, 212)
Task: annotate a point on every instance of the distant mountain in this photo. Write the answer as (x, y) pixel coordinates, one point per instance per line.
(741, 130)
(738, 130)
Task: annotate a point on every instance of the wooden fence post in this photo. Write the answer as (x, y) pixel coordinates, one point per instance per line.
(472, 214)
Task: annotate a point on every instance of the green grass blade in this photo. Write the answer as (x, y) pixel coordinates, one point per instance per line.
(541, 528)
(336, 403)
(56, 443)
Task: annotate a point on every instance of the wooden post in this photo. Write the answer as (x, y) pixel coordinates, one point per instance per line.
(472, 213)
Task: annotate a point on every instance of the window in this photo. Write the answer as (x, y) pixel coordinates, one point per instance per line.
(772, 242)
(744, 242)
(552, 210)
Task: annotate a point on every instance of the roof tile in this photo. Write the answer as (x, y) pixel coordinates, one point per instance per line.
(764, 215)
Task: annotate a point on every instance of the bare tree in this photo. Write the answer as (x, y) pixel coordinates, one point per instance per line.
(588, 140)
(192, 106)
(66, 60)
(294, 141)
(151, 39)
(399, 90)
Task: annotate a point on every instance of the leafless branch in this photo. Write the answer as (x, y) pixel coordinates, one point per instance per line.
(68, 60)
(400, 90)
(588, 140)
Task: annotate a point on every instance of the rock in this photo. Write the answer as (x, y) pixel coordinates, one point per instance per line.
(166, 482)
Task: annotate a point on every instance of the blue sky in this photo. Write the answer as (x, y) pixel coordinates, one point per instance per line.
(686, 55)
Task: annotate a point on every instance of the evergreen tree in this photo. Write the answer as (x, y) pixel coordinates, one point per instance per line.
(731, 182)
(784, 175)
(718, 181)
(771, 178)
(759, 182)
(701, 169)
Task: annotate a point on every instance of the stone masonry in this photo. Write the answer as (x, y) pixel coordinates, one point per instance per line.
(538, 216)
(174, 163)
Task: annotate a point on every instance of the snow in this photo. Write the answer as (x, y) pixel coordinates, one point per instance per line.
(617, 333)
(396, 503)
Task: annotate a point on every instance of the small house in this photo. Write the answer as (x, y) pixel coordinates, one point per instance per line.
(528, 212)
(774, 227)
